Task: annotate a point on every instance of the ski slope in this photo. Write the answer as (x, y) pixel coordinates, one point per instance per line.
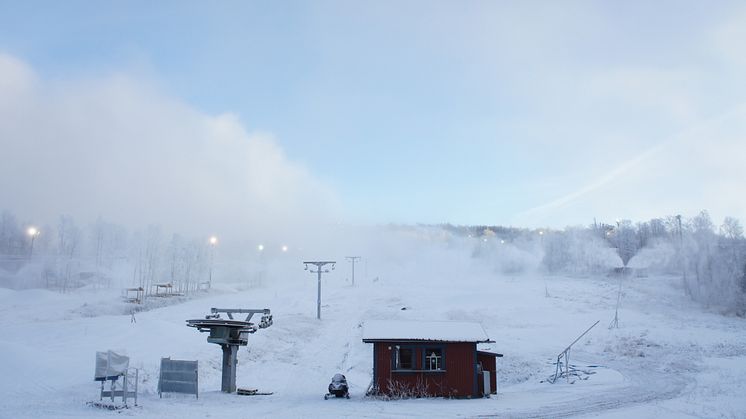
(669, 358)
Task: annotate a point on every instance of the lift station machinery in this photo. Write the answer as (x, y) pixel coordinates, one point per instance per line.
(230, 334)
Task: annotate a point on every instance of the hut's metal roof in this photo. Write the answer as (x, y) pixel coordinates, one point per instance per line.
(441, 331)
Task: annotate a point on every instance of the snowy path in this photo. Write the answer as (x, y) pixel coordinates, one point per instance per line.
(640, 386)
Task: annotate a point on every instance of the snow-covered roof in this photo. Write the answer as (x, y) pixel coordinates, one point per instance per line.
(444, 331)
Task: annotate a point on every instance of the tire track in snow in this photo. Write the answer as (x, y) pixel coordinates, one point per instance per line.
(646, 385)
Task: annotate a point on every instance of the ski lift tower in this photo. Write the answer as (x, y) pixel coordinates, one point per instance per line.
(319, 271)
(353, 259)
(230, 334)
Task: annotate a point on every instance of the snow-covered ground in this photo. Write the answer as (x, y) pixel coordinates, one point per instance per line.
(669, 357)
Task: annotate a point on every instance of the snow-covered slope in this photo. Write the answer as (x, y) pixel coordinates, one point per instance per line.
(669, 358)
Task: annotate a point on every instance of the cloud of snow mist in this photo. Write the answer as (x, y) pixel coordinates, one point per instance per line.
(119, 148)
(658, 257)
(395, 254)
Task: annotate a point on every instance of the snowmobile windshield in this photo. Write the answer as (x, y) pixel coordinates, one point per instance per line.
(338, 378)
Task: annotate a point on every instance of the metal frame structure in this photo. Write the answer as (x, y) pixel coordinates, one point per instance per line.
(125, 392)
(266, 316)
(615, 323)
(560, 371)
(139, 295)
(112, 367)
(168, 290)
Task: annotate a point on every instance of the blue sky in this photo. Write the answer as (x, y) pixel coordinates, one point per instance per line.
(523, 113)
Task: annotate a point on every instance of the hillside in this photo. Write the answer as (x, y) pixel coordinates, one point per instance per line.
(670, 357)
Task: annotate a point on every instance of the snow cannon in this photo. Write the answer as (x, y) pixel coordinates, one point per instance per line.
(230, 334)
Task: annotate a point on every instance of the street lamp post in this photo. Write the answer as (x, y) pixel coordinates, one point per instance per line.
(213, 243)
(260, 262)
(32, 232)
(319, 271)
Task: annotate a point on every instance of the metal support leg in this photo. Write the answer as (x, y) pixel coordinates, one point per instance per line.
(230, 360)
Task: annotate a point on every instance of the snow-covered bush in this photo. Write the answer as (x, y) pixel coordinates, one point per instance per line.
(713, 265)
(396, 390)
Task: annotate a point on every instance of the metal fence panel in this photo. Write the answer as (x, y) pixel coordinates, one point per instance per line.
(178, 377)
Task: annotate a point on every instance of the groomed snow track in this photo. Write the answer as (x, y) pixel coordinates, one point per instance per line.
(645, 385)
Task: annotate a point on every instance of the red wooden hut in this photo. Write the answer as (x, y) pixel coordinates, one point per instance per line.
(430, 358)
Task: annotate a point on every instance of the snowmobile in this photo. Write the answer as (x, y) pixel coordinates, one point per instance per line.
(338, 387)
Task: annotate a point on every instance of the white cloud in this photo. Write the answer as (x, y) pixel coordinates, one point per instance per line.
(119, 148)
(667, 92)
(17, 77)
(699, 168)
(729, 39)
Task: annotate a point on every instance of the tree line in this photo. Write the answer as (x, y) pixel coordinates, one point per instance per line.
(67, 255)
(709, 258)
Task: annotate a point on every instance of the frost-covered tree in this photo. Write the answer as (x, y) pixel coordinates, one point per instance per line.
(68, 237)
(657, 228)
(11, 236)
(186, 263)
(731, 229)
(106, 244)
(152, 256)
(714, 264)
(625, 240)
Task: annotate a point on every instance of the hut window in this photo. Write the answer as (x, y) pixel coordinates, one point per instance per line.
(434, 359)
(405, 359)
